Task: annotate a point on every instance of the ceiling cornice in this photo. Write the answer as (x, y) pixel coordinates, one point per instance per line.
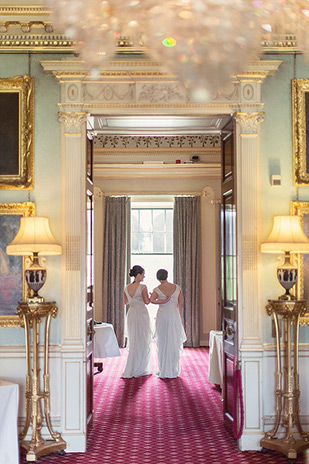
(29, 28)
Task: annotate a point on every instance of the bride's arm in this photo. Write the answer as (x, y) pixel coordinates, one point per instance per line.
(180, 302)
(154, 299)
(145, 295)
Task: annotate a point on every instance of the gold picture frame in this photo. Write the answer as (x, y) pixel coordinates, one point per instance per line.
(301, 208)
(13, 287)
(16, 133)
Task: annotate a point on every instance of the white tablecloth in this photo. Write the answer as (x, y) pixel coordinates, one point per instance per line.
(215, 357)
(105, 342)
(9, 448)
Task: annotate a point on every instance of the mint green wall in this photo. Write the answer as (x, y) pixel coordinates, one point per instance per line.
(277, 158)
(46, 193)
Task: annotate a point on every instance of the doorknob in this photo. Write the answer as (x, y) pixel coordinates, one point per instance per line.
(229, 330)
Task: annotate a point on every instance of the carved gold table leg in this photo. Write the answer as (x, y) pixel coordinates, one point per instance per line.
(32, 314)
(287, 382)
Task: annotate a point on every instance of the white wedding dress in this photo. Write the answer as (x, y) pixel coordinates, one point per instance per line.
(170, 335)
(139, 336)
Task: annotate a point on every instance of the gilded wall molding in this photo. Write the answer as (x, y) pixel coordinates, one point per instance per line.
(31, 10)
(300, 94)
(249, 122)
(23, 86)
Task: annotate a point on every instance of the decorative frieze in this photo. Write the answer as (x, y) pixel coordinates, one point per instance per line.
(156, 141)
(124, 92)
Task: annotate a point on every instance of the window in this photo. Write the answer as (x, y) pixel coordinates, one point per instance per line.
(151, 231)
(152, 241)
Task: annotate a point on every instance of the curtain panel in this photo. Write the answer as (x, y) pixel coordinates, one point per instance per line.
(116, 249)
(187, 262)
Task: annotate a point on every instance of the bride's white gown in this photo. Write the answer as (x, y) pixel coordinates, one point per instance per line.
(170, 335)
(139, 336)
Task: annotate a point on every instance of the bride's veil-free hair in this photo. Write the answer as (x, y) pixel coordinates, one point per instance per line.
(136, 270)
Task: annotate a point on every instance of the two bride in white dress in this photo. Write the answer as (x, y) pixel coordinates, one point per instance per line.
(169, 335)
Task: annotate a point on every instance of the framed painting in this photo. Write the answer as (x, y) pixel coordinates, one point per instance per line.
(13, 287)
(16, 133)
(301, 208)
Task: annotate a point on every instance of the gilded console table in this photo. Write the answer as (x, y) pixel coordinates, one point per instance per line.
(32, 314)
(287, 379)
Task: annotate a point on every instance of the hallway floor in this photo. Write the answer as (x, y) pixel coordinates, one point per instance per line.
(148, 420)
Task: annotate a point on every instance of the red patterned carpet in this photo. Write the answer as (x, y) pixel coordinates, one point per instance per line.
(152, 421)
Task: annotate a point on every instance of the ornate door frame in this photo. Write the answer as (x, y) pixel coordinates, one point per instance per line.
(142, 87)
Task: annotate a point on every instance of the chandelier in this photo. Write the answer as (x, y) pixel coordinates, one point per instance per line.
(202, 42)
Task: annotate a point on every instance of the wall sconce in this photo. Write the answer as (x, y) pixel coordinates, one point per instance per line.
(34, 238)
(286, 237)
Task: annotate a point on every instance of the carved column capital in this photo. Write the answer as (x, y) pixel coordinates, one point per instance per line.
(73, 122)
(249, 122)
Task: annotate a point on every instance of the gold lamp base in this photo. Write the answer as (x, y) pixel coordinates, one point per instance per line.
(287, 392)
(34, 450)
(289, 447)
(32, 315)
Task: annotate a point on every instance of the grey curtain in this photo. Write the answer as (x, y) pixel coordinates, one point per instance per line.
(187, 262)
(116, 249)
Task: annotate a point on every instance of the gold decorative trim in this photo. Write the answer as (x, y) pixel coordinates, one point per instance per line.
(25, 26)
(300, 208)
(37, 43)
(300, 87)
(9, 322)
(7, 10)
(23, 209)
(23, 86)
(280, 43)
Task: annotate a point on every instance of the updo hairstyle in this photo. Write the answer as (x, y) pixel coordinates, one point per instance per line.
(136, 270)
(162, 274)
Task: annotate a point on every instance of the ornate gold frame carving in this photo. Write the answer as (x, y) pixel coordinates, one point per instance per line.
(23, 86)
(21, 209)
(301, 208)
(300, 93)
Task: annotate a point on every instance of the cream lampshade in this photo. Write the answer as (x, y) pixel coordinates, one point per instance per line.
(34, 238)
(286, 237)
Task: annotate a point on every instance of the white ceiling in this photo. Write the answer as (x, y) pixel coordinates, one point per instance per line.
(158, 124)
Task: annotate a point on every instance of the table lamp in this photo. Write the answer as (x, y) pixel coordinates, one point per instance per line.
(34, 238)
(286, 237)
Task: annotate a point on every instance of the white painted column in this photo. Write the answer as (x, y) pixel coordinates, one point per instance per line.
(73, 282)
(248, 263)
(209, 265)
(98, 252)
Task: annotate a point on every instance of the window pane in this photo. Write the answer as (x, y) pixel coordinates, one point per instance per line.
(169, 220)
(134, 242)
(134, 220)
(169, 242)
(145, 220)
(158, 220)
(145, 243)
(158, 242)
